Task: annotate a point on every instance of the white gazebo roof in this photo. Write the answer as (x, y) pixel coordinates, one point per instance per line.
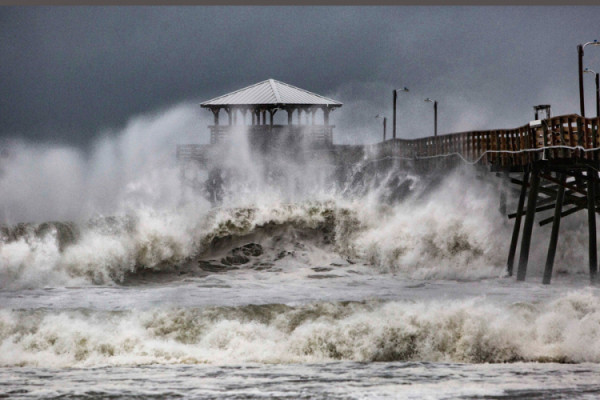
(270, 93)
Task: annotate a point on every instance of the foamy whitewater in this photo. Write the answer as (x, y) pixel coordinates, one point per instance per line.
(120, 279)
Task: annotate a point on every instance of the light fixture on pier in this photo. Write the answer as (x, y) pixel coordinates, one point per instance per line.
(580, 48)
(428, 100)
(404, 89)
(589, 71)
(379, 116)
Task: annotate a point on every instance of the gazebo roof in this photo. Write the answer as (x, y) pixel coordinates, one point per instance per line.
(270, 93)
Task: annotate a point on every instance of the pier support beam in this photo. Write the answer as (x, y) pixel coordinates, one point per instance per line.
(528, 227)
(517, 227)
(555, 228)
(591, 195)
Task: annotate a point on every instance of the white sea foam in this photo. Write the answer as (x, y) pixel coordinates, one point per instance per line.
(131, 211)
(472, 331)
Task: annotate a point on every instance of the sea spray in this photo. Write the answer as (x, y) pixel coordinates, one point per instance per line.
(131, 212)
(119, 171)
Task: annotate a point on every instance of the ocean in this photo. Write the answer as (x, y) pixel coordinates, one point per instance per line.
(382, 285)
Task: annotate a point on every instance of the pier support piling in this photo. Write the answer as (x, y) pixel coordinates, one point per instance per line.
(555, 228)
(517, 226)
(529, 218)
(591, 196)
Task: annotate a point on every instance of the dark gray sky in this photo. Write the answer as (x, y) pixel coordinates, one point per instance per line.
(68, 73)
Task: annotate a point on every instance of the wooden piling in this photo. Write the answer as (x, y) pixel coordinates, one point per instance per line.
(517, 226)
(591, 195)
(555, 228)
(528, 227)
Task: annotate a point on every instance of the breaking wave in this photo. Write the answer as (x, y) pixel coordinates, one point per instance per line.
(472, 331)
(420, 236)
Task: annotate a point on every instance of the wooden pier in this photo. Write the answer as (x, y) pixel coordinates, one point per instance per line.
(558, 163)
(554, 161)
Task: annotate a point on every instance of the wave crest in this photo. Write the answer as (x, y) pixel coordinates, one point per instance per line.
(472, 331)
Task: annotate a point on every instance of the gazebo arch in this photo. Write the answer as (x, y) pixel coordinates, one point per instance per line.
(262, 100)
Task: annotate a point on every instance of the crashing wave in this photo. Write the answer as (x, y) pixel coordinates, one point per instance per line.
(471, 331)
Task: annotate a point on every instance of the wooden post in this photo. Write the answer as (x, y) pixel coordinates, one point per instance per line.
(435, 118)
(229, 116)
(215, 112)
(271, 115)
(580, 70)
(394, 118)
(517, 227)
(528, 227)
(290, 111)
(591, 196)
(555, 228)
(312, 116)
(264, 117)
(253, 117)
(325, 116)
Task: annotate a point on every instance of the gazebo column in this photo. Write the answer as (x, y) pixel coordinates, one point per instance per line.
(256, 115)
(290, 111)
(244, 111)
(229, 119)
(299, 116)
(325, 116)
(264, 117)
(312, 116)
(271, 115)
(253, 117)
(215, 112)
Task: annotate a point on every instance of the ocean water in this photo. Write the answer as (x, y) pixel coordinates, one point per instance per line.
(301, 283)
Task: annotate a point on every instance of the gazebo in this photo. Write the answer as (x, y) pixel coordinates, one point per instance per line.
(264, 99)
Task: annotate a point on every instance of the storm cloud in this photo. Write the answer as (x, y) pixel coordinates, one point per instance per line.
(69, 74)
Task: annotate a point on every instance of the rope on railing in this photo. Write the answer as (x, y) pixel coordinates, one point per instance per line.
(472, 162)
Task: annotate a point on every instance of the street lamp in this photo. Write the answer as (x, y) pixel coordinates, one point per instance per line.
(404, 89)
(428, 100)
(378, 116)
(597, 90)
(580, 48)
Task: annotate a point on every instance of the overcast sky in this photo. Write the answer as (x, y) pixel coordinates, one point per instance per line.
(69, 73)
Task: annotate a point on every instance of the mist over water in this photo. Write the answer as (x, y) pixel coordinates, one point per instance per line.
(114, 256)
(123, 207)
(120, 171)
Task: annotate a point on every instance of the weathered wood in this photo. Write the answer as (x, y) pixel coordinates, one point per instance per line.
(528, 226)
(537, 209)
(517, 226)
(554, 233)
(593, 253)
(562, 214)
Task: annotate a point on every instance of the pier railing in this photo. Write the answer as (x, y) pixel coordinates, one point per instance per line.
(565, 136)
(195, 152)
(317, 134)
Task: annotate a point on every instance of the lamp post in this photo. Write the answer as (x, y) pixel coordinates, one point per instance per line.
(378, 116)
(404, 89)
(428, 100)
(580, 48)
(597, 90)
